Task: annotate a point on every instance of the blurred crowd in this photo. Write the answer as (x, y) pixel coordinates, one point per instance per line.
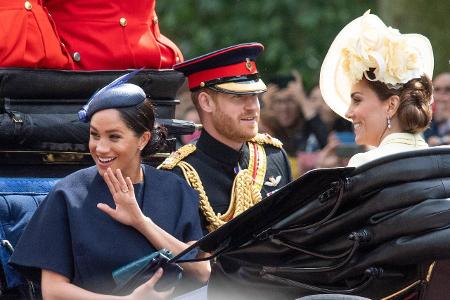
(312, 134)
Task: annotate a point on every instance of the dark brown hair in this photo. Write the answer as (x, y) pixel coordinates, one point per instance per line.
(194, 98)
(196, 93)
(414, 112)
(141, 118)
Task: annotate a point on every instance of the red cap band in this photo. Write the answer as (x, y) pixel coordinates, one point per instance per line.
(239, 69)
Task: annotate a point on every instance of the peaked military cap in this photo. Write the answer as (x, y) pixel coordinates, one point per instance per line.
(230, 70)
(117, 94)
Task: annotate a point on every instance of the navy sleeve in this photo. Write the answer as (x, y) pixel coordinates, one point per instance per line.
(174, 206)
(189, 219)
(46, 241)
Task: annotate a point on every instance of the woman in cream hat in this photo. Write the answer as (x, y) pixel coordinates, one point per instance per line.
(380, 80)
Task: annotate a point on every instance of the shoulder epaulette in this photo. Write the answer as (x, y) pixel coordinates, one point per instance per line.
(174, 158)
(264, 138)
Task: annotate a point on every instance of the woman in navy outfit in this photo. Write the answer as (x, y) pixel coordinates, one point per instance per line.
(106, 216)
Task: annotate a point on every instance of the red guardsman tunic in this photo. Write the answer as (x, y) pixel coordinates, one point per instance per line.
(83, 35)
(28, 37)
(112, 34)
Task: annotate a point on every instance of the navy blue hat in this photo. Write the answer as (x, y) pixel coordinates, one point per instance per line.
(117, 94)
(230, 70)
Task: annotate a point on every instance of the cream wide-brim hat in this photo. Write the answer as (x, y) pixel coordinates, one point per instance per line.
(336, 84)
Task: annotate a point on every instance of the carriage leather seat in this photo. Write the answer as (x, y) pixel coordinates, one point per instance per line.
(19, 198)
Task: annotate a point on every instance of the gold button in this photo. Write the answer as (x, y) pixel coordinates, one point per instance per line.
(76, 56)
(28, 5)
(123, 22)
(155, 19)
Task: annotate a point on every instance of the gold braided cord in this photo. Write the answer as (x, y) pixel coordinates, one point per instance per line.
(243, 196)
(427, 280)
(245, 190)
(174, 158)
(193, 179)
(264, 138)
(401, 291)
(430, 271)
(261, 164)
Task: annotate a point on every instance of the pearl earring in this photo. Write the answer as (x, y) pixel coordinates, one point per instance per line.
(388, 122)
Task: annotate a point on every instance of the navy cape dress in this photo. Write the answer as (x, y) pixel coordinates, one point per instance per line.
(69, 235)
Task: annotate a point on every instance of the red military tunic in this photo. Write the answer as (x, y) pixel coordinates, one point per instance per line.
(28, 37)
(112, 34)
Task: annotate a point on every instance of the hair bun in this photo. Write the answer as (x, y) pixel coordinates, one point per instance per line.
(157, 142)
(415, 109)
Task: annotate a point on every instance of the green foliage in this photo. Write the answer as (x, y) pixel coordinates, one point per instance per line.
(430, 18)
(296, 33)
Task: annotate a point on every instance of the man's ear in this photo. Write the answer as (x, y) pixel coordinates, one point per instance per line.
(393, 103)
(206, 102)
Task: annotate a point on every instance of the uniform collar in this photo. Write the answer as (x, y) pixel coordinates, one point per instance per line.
(404, 138)
(219, 151)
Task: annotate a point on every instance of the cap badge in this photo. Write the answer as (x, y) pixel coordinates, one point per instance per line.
(272, 181)
(248, 64)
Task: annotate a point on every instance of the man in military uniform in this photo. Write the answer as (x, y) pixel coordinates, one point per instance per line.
(231, 166)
